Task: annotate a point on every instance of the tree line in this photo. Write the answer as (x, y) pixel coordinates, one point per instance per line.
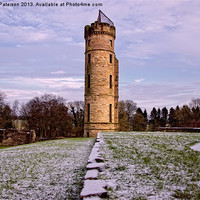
(52, 116)
(132, 117)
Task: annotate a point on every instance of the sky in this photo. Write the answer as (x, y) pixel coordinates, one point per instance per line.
(157, 44)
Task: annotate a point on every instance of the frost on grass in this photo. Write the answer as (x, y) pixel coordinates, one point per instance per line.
(196, 147)
(151, 165)
(46, 170)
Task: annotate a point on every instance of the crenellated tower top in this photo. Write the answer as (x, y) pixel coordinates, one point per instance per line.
(103, 26)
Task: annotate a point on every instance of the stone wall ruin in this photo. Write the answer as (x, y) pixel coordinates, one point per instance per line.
(13, 137)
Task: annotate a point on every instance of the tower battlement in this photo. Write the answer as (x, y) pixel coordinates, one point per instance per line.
(99, 28)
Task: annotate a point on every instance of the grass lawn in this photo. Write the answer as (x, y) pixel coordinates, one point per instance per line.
(151, 165)
(4, 147)
(45, 170)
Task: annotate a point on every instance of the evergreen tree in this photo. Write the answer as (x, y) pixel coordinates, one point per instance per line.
(154, 119)
(177, 117)
(5, 117)
(186, 116)
(139, 111)
(195, 116)
(172, 117)
(145, 115)
(164, 116)
(139, 122)
(158, 116)
(154, 114)
(5, 113)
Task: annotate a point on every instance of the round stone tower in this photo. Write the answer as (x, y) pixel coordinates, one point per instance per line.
(101, 77)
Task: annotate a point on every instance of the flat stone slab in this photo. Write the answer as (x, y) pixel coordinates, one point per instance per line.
(92, 174)
(93, 155)
(99, 166)
(92, 198)
(94, 187)
(95, 151)
(96, 145)
(95, 159)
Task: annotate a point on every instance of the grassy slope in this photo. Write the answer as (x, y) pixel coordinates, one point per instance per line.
(152, 165)
(45, 170)
(4, 147)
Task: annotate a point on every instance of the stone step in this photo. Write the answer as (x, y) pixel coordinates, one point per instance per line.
(92, 174)
(92, 198)
(98, 166)
(94, 188)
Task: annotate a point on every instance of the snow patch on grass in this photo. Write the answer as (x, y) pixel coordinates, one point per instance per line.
(46, 170)
(196, 147)
(151, 165)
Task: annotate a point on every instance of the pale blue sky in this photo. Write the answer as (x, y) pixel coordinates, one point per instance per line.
(157, 44)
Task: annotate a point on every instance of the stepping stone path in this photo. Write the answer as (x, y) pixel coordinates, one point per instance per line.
(92, 174)
(93, 188)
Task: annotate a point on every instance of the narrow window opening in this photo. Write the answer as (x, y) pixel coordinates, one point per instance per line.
(110, 112)
(89, 42)
(88, 134)
(110, 81)
(88, 80)
(88, 112)
(111, 43)
(110, 58)
(89, 58)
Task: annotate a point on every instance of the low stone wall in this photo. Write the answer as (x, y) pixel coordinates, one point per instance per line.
(12, 137)
(179, 129)
(93, 188)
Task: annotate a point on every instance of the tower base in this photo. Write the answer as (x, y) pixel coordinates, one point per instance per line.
(92, 129)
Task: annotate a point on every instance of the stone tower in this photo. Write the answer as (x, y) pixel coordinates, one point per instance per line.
(101, 77)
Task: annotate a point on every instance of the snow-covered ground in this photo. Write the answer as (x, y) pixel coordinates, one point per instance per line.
(196, 147)
(45, 170)
(153, 166)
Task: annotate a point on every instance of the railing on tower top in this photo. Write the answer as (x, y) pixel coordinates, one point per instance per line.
(102, 18)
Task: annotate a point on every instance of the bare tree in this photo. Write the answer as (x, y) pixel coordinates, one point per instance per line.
(130, 107)
(15, 109)
(126, 112)
(195, 103)
(48, 116)
(2, 98)
(76, 109)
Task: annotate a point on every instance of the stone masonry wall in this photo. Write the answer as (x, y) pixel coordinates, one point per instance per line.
(99, 72)
(13, 137)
